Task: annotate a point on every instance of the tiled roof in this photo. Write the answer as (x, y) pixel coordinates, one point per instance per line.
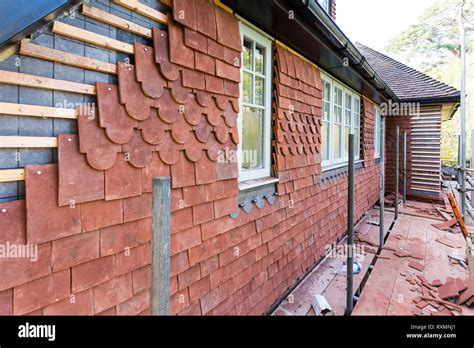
(407, 83)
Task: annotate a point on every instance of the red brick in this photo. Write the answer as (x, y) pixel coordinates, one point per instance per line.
(73, 250)
(210, 300)
(41, 292)
(214, 84)
(135, 305)
(92, 273)
(136, 208)
(132, 259)
(225, 206)
(78, 304)
(13, 222)
(101, 214)
(193, 79)
(41, 196)
(205, 63)
(141, 279)
(203, 213)
(181, 220)
(6, 302)
(198, 289)
(188, 277)
(178, 263)
(228, 72)
(144, 230)
(115, 239)
(185, 240)
(16, 271)
(122, 180)
(113, 292)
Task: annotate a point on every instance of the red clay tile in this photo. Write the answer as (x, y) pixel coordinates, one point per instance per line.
(436, 283)
(226, 171)
(184, 12)
(156, 168)
(205, 63)
(41, 196)
(75, 174)
(228, 33)
(147, 71)
(13, 222)
(122, 180)
(227, 71)
(137, 152)
(193, 111)
(137, 104)
(193, 79)
(182, 172)
(73, 250)
(179, 53)
(448, 290)
(169, 150)
(193, 149)
(213, 148)
(203, 98)
(215, 49)
(195, 40)
(136, 208)
(100, 214)
(160, 43)
(203, 130)
(222, 133)
(100, 151)
(168, 109)
(205, 16)
(416, 265)
(213, 114)
(232, 57)
(180, 130)
(179, 93)
(205, 171)
(153, 128)
(231, 88)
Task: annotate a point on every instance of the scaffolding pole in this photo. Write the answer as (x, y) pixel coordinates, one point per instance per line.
(462, 151)
(397, 160)
(350, 229)
(404, 167)
(382, 183)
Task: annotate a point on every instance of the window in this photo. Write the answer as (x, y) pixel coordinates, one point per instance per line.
(325, 4)
(254, 122)
(341, 117)
(378, 130)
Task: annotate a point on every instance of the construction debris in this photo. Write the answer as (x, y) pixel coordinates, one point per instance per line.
(450, 243)
(321, 306)
(416, 265)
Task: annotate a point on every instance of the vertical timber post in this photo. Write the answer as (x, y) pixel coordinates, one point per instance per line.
(382, 183)
(397, 159)
(160, 246)
(350, 228)
(462, 151)
(404, 167)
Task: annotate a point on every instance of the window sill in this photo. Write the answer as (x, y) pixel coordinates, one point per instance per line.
(340, 165)
(256, 183)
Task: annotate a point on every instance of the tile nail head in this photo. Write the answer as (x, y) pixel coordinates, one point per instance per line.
(4, 210)
(39, 172)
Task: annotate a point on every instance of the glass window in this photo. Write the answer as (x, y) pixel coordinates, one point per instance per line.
(255, 117)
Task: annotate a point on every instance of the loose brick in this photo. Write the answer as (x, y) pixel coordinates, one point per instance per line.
(16, 271)
(89, 274)
(41, 292)
(113, 292)
(141, 279)
(135, 305)
(115, 239)
(73, 250)
(136, 208)
(188, 277)
(6, 302)
(101, 214)
(185, 240)
(203, 213)
(78, 304)
(132, 259)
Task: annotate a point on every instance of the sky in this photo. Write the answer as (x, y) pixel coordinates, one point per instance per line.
(374, 22)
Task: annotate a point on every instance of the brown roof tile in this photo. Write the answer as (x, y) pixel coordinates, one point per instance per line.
(206, 20)
(228, 32)
(122, 180)
(147, 71)
(13, 222)
(195, 40)
(184, 12)
(153, 128)
(179, 53)
(138, 152)
(156, 168)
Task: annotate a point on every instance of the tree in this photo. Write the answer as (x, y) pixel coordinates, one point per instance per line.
(432, 45)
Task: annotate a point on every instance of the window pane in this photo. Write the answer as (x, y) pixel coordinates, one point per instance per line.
(325, 141)
(347, 118)
(337, 105)
(259, 53)
(327, 107)
(336, 142)
(326, 91)
(247, 88)
(252, 138)
(248, 57)
(258, 90)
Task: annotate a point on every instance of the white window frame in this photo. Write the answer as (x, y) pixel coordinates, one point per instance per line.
(262, 40)
(355, 127)
(377, 132)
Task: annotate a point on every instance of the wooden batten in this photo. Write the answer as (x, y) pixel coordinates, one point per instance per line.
(33, 81)
(91, 38)
(27, 142)
(144, 10)
(41, 52)
(36, 111)
(105, 17)
(7, 175)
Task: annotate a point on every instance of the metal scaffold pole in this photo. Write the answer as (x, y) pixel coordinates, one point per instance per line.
(382, 182)
(462, 152)
(350, 228)
(397, 160)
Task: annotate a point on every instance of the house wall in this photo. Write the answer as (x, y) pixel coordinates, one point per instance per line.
(333, 9)
(94, 241)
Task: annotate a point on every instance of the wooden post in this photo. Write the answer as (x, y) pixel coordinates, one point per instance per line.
(160, 246)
